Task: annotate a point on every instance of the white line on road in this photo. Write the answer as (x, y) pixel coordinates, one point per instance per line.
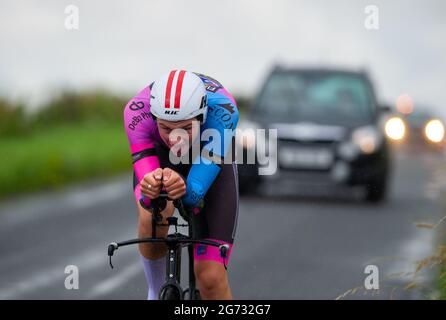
(37, 207)
(111, 284)
(42, 279)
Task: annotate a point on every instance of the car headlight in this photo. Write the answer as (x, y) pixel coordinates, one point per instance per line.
(434, 131)
(365, 140)
(395, 128)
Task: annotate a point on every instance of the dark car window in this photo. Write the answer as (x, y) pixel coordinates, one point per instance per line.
(325, 98)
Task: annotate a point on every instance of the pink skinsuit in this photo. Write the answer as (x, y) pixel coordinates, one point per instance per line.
(142, 133)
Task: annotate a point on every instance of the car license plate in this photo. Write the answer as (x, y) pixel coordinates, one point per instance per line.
(306, 158)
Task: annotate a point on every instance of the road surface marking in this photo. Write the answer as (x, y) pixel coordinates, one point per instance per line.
(118, 279)
(86, 262)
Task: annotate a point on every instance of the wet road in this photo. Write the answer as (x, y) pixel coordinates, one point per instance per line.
(287, 247)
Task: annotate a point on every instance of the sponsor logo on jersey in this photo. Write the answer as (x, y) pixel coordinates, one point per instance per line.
(201, 250)
(136, 105)
(227, 106)
(138, 119)
(211, 84)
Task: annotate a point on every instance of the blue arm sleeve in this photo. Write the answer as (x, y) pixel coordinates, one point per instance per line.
(222, 118)
(200, 178)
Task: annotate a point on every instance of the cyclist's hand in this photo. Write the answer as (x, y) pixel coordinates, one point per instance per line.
(173, 183)
(151, 183)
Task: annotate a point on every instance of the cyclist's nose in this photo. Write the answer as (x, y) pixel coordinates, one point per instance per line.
(178, 140)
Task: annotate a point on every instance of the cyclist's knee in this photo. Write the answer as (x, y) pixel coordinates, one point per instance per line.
(152, 251)
(145, 224)
(144, 227)
(145, 220)
(211, 276)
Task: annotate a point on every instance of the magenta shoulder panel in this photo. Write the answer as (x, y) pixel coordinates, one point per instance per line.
(138, 121)
(141, 131)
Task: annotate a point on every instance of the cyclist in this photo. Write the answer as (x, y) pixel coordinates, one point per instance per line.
(206, 182)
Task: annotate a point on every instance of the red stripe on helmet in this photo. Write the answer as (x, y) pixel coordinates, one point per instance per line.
(169, 88)
(178, 89)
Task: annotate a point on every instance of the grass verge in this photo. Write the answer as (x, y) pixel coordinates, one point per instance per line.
(442, 284)
(53, 157)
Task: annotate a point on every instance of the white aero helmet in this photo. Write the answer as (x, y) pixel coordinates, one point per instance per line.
(178, 95)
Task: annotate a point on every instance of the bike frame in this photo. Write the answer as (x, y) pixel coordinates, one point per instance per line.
(175, 242)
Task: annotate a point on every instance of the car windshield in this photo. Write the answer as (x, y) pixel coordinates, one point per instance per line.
(324, 98)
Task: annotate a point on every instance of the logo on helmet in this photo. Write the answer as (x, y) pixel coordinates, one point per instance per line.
(203, 101)
(170, 112)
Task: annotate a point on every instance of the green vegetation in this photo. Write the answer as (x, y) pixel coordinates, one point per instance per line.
(437, 260)
(442, 268)
(440, 256)
(73, 137)
(60, 155)
(443, 284)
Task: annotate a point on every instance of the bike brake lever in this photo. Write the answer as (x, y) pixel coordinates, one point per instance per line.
(224, 248)
(111, 250)
(160, 203)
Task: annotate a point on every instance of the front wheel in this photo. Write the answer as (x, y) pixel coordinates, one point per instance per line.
(170, 292)
(196, 295)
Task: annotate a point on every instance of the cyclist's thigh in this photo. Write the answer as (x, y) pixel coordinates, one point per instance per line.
(218, 219)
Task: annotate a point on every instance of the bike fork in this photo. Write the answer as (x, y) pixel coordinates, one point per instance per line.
(173, 269)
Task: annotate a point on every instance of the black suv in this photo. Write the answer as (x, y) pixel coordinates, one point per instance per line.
(329, 131)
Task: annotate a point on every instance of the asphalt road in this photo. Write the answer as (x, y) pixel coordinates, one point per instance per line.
(287, 247)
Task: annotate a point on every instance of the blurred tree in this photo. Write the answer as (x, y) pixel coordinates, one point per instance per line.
(12, 119)
(72, 107)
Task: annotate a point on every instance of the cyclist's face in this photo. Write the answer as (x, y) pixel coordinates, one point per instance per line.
(189, 131)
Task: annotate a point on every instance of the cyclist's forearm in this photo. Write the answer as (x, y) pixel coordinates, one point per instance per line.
(138, 125)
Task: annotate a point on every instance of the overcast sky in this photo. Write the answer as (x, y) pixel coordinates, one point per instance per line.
(123, 45)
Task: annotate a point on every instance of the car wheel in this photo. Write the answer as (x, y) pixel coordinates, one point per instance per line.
(376, 190)
(249, 186)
